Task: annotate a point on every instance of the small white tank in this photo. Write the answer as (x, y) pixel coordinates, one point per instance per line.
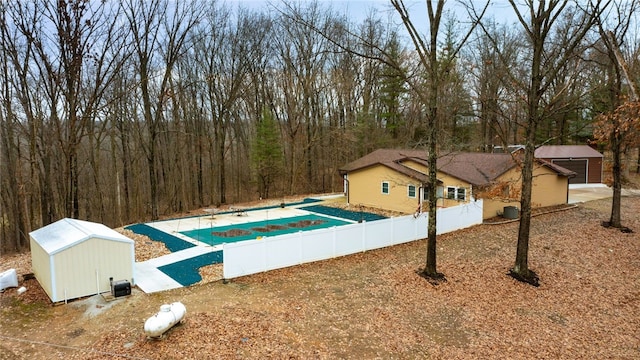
(168, 316)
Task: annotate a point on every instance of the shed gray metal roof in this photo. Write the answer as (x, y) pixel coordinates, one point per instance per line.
(566, 152)
(67, 232)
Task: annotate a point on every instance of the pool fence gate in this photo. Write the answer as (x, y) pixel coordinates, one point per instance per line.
(276, 252)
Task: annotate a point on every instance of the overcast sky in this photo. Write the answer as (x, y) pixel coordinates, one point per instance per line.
(359, 9)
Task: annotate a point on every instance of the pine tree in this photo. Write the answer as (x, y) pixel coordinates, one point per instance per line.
(267, 153)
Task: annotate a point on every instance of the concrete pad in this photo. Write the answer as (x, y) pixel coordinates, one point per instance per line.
(97, 304)
(579, 193)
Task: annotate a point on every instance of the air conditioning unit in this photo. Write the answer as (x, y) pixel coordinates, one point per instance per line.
(120, 287)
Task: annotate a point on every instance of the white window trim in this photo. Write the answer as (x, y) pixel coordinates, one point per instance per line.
(464, 194)
(455, 193)
(415, 191)
(382, 188)
(440, 192)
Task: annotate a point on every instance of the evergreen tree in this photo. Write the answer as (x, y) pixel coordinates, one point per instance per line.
(392, 87)
(267, 153)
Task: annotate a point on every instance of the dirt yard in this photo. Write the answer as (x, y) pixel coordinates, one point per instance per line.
(374, 306)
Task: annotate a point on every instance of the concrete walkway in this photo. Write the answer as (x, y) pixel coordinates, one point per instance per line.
(579, 193)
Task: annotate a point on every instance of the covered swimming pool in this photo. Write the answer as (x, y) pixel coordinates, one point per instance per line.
(252, 230)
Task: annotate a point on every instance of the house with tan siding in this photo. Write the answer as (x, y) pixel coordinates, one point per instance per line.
(397, 180)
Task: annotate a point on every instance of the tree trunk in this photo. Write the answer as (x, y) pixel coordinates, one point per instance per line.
(521, 267)
(153, 180)
(616, 149)
(430, 271)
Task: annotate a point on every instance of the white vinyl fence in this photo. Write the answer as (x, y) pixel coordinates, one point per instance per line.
(270, 253)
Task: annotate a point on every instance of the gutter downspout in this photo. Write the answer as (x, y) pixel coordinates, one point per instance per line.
(346, 187)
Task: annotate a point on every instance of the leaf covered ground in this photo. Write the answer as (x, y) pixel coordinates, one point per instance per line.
(374, 305)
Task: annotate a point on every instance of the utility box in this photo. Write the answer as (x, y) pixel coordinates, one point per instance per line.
(511, 212)
(120, 288)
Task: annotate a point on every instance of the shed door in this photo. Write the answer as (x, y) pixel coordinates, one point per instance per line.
(577, 165)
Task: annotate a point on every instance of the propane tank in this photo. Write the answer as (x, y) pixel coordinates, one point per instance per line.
(168, 316)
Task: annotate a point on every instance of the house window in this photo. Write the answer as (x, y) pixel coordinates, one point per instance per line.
(456, 193)
(439, 193)
(411, 191)
(451, 192)
(385, 187)
(461, 194)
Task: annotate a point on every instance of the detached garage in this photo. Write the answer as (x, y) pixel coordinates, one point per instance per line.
(74, 258)
(582, 159)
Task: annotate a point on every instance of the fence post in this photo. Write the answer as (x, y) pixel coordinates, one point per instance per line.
(300, 247)
(265, 246)
(334, 240)
(364, 236)
(392, 230)
(333, 247)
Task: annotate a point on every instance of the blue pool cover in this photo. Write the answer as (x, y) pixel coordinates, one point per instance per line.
(253, 230)
(344, 214)
(186, 272)
(173, 243)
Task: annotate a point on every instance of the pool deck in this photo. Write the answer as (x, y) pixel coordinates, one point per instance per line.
(175, 227)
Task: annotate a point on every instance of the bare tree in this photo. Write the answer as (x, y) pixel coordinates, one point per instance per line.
(58, 63)
(492, 58)
(617, 125)
(16, 85)
(302, 55)
(159, 33)
(435, 68)
(85, 34)
(546, 60)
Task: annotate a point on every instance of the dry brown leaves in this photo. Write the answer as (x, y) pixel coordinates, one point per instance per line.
(373, 305)
(343, 205)
(145, 248)
(210, 273)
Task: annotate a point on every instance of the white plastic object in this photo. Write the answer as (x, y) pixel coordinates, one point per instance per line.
(168, 316)
(8, 279)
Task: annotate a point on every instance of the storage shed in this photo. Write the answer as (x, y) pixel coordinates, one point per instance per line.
(74, 258)
(582, 159)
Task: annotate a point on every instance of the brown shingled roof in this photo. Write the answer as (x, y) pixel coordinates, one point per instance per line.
(390, 158)
(474, 168)
(557, 168)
